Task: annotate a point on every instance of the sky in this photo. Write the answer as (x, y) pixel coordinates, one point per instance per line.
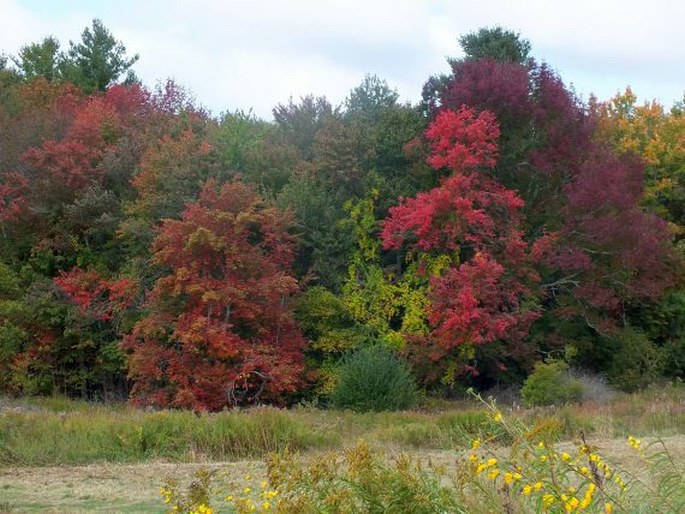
(254, 54)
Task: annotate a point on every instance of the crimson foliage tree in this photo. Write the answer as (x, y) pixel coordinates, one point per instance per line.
(219, 329)
(472, 224)
(606, 256)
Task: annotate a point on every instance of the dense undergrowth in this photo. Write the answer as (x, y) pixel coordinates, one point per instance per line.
(516, 465)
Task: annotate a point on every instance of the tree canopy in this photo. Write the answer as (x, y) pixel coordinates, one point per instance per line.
(152, 251)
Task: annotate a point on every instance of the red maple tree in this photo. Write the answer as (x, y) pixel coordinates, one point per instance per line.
(476, 221)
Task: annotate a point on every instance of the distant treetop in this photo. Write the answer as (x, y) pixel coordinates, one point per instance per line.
(495, 43)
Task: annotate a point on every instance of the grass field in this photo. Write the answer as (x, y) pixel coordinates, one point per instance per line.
(58, 455)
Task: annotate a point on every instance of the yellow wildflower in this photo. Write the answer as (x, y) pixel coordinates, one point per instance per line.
(517, 476)
(634, 443)
(492, 462)
(547, 499)
(475, 444)
(480, 469)
(527, 489)
(587, 499)
(571, 504)
(565, 456)
(266, 505)
(263, 484)
(508, 478)
(498, 416)
(247, 490)
(537, 486)
(541, 445)
(493, 474)
(609, 508)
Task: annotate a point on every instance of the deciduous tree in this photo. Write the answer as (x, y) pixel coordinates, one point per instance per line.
(219, 329)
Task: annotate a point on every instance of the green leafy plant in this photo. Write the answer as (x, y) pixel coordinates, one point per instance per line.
(551, 384)
(374, 379)
(636, 363)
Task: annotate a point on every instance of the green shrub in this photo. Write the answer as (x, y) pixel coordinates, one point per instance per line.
(551, 384)
(374, 379)
(636, 363)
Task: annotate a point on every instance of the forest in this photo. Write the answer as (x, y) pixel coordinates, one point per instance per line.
(496, 228)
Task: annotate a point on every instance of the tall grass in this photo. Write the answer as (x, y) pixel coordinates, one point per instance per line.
(39, 432)
(39, 438)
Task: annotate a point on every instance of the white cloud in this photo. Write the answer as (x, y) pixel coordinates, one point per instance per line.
(242, 54)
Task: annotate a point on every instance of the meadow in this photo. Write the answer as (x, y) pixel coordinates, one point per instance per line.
(59, 455)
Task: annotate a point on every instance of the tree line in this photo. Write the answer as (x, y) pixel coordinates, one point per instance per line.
(150, 250)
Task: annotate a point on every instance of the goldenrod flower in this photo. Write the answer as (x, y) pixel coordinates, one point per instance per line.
(571, 504)
(634, 443)
(587, 499)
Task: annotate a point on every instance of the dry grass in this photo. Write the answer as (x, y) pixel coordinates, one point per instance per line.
(102, 487)
(127, 488)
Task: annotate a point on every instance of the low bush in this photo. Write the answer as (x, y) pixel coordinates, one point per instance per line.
(551, 384)
(636, 363)
(374, 379)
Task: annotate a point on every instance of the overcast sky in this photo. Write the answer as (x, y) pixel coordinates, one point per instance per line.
(256, 53)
